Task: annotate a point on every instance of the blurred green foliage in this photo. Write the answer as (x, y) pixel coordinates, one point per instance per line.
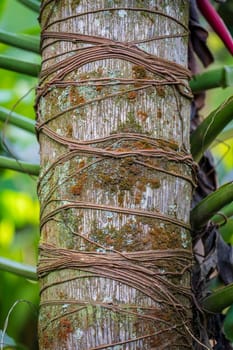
(19, 208)
(223, 149)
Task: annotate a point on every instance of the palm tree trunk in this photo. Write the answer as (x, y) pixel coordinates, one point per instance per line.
(116, 180)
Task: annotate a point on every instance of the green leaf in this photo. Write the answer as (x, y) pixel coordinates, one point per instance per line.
(227, 231)
(228, 324)
(6, 115)
(19, 269)
(210, 205)
(219, 299)
(208, 130)
(32, 4)
(2, 8)
(17, 18)
(24, 167)
(221, 77)
(227, 211)
(225, 135)
(22, 41)
(19, 66)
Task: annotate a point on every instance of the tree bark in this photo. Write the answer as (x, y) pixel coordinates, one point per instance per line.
(113, 108)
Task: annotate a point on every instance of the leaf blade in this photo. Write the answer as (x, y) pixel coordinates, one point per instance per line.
(24, 167)
(210, 205)
(208, 130)
(19, 269)
(32, 4)
(228, 324)
(221, 77)
(219, 299)
(22, 41)
(19, 66)
(17, 120)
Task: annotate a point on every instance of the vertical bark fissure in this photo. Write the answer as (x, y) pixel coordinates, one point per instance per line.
(117, 176)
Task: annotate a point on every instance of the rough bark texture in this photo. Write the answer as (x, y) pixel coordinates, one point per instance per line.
(94, 205)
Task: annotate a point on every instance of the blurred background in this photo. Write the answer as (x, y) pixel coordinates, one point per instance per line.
(223, 148)
(19, 209)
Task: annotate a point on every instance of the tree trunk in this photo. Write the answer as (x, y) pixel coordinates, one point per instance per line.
(113, 107)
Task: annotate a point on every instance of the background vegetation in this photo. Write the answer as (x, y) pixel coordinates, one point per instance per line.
(19, 209)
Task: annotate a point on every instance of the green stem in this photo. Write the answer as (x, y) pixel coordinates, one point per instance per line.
(208, 130)
(219, 299)
(226, 211)
(210, 205)
(24, 167)
(25, 42)
(17, 119)
(18, 269)
(32, 4)
(221, 77)
(19, 66)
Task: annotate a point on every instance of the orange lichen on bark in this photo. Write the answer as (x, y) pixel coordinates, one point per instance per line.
(99, 88)
(46, 340)
(139, 72)
(65, 327)
(154, 183)
(159, 113)
(142, 115)
(138, 197)
(78, 187)
(132, 95)
(69, 131)
(73, 94)
(160, 91)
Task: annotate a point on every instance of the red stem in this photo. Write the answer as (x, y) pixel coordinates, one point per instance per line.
(216, 23)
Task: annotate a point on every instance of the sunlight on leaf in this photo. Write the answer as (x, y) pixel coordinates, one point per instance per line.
(20, 208)
(5, 95)
(7, 230)
(214, 41)
(224, 153)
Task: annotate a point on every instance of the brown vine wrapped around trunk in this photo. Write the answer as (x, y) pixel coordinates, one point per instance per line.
(113, 107)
